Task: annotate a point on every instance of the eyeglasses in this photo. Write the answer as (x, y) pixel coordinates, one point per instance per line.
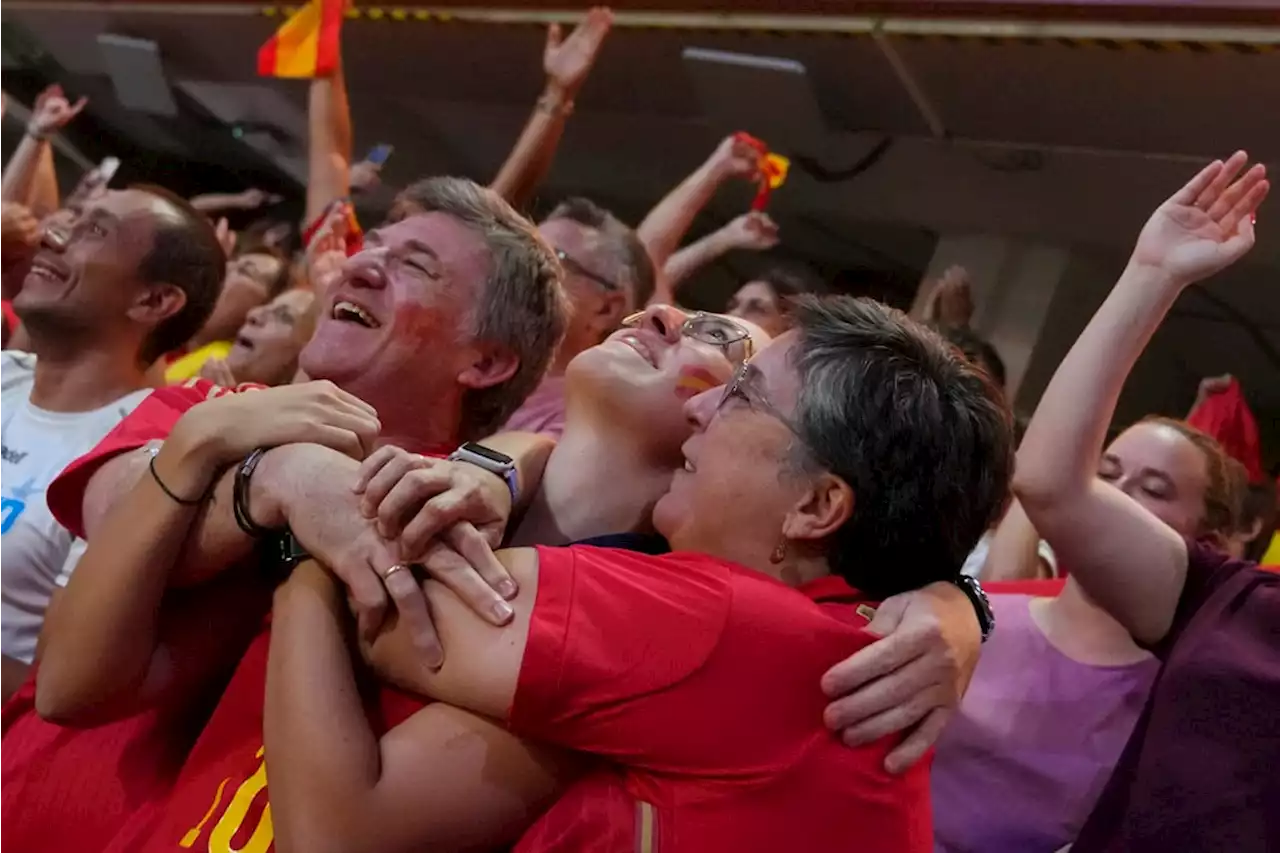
(729, 337)
(578, 269)
(742, 387)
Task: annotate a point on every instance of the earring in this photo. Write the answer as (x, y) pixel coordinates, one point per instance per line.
(779, 553)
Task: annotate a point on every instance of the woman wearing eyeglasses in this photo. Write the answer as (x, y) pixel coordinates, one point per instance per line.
(855, 458)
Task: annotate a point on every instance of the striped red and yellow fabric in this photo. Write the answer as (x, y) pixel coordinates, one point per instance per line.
(307, 44)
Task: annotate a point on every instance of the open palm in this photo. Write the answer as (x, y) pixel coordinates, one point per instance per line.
(567, 61)
(1208, 224)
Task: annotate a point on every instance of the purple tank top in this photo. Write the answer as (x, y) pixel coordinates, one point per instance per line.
(1021, 764)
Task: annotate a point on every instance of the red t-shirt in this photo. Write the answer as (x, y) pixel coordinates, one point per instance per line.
(1199, 774)
(72, 789)
(220, 800)
(699, 680)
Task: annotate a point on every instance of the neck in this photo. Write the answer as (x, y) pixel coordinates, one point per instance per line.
(598, 480)
(407, 424)
(799, 570)
(80, 380)
(1083, 631)
(575, 341)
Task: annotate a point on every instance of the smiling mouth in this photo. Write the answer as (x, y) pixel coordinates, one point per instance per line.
(47, 271)
(244, 342)
(638, 345)
(349, 312)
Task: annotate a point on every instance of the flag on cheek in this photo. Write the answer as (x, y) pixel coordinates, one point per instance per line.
(692, 381)
(306, 45)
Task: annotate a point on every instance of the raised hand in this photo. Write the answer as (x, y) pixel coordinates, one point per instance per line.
(53, 111)
(217, 372)
(735, 158)
(253, 198)
(19, 232)
(568, 61)
(1207, 225)
(754, 231)
(951, 300)
(226, 237)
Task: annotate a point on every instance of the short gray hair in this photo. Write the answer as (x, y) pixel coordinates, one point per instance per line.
(523, 305)
(923, 437)
(632, 265)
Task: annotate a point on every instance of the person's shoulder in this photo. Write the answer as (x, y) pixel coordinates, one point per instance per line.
(17, 369)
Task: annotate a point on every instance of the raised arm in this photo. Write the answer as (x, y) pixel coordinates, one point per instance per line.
(1133, 565)
(250, 199)
(754, 231)
(567, 62)
(29, 176)
(329, 143)
(666, 225)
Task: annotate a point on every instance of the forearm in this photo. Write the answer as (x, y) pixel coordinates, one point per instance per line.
(22, 171)
(692, 258)
(1059, 455)
(44, 192)
(1015, 549)
(328, 143)
(530, 160)
(100, 637)
(665, 226)
(213, 202)
(318, 780)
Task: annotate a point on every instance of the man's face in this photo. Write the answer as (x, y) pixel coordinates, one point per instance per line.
(400, 307)
(598, 300)
(86, 271)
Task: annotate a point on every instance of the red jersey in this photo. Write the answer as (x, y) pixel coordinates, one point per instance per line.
(73, 789)
(220, 801)
(699, 681)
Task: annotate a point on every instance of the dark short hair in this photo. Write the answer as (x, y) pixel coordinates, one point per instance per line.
(631, 259)
(977, 349)
(788, 281)
(185, 253)
(924, 439)
(522, 306)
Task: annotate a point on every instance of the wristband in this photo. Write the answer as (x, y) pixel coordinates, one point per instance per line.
(555, 105)
(37, 135)
(981, 604)
(181, 501)
(240, 496)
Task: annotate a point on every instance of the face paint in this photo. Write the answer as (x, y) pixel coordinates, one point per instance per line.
(692, 381)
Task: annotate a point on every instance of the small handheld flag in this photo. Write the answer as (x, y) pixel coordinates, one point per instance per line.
(306, 45)
(773, 170)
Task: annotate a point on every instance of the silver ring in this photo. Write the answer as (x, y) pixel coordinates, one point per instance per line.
(398, 567)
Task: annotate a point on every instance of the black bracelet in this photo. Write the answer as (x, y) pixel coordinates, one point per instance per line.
(981, 604)
(173, 497)
(240, 496)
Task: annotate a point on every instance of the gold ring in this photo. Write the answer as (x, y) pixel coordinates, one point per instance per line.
(398, 567)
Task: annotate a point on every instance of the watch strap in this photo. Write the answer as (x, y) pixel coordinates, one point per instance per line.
(981, 604)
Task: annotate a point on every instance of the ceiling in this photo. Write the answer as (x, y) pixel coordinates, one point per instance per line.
(1064, 139)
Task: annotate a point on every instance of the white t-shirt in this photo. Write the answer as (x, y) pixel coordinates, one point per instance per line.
(38, 552)
(978, 557)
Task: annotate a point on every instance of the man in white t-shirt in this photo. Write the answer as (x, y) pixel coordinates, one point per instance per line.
(128, 280)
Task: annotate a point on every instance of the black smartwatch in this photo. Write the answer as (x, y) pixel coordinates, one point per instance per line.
(981, 604)
(492, 461)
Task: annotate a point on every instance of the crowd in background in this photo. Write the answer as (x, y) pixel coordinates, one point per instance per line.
(485, 543)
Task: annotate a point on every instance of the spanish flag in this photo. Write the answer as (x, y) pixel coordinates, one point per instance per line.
(773, 169)
(307, 44)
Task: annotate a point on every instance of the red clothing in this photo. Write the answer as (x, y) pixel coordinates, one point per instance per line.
(700, 681)
(1226, 416)
(220, 800)
(74, 789)
(1199, 773)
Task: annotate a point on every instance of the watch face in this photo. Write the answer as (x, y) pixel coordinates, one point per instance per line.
(492, 455)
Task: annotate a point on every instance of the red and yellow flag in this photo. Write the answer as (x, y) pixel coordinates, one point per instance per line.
(773, 169)
(307, 44)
